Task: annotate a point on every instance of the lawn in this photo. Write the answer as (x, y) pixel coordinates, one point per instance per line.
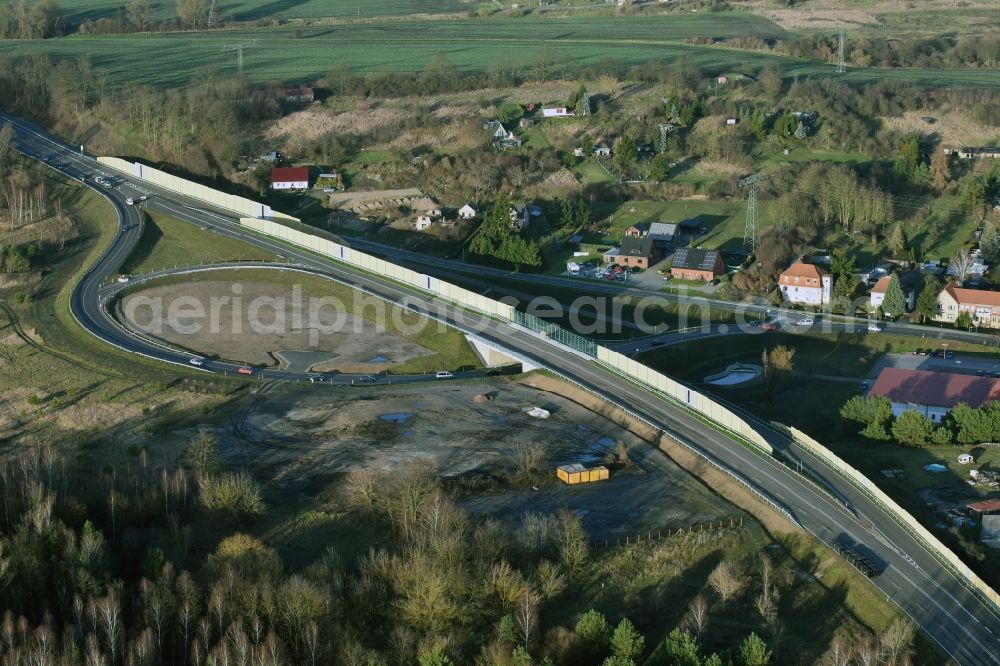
(590, 172)
(168, 242)
(295, 54)
(724, 220)
(945, 230)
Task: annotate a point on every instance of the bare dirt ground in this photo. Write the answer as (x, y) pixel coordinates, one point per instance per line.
(797, 19)
(350, 199)
(359, 346)
(305, 441)
(953, 128)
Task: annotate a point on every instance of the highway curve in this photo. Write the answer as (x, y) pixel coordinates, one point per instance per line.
(966, 627)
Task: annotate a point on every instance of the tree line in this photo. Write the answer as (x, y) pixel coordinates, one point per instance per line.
(962, 425)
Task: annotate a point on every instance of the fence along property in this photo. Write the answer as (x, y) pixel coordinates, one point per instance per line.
(618, 363)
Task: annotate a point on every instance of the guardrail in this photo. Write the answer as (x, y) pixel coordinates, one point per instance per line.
(659, 384)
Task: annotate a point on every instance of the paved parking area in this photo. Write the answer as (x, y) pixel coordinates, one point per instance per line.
(960, 364)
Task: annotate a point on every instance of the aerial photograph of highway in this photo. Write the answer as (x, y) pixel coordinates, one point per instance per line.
(471, 332)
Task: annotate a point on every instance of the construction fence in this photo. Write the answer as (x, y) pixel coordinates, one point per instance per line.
(619, 363)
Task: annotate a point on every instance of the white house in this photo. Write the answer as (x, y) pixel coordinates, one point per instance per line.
(806, 283)
(424, 222)
(602, 151)
(502, 137)
(558, 112)
(877, 295)
(933, 394)
(290, 178)
(468, 211)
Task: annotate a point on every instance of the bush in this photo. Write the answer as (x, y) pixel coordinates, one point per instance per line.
(238, 494)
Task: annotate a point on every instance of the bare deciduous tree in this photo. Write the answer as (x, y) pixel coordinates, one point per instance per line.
(526, 616)
(696, 619)
(961, 264)
(726, 581)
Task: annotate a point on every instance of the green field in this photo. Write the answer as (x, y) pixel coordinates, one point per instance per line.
(77, 11)
(471, 44)
(167, 242)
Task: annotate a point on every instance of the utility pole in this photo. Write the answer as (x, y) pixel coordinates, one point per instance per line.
(239, 48)
(750, 231)
(841, 65)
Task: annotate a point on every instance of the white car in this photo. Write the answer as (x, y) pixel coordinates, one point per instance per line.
(443, 374)
(807, 321)
(197, 362)
(874, 328)
(123, 278)
(130, 201)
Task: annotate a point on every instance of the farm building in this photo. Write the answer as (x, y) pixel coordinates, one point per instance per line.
(983, 507)
(967, 153)
(637, 230)
(290, 178)
(635, 252)
(662, 232)
(933, 394)
(990, 535)
(692, 264)
(577, 473)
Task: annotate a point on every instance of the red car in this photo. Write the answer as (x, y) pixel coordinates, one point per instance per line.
(769, 327)
(245, 371)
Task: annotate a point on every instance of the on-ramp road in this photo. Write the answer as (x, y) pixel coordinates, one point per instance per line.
(965, 626)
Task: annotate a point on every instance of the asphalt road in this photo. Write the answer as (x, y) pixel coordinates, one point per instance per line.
(963, 625)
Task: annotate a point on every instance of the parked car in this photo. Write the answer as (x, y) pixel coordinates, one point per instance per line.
(917, 351)
(863, 386)
(443, 374)
(245, 371)
(368, 379)
(754, 323)
(949, 354)
(769, 327)
(980, 373)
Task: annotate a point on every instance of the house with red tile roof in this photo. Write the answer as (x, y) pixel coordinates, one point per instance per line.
(806, 283)
(982, 306)
(290, 178)
(933, 394)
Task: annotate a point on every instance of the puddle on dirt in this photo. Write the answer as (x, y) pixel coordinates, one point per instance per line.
(580, 426)
(598, 451)
(396, 417)
(378, 359)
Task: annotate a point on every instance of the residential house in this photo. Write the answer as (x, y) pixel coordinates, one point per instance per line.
(662, 233)
(521, 214)
(644, 151)
(578, 152)
(723, 80)
(877, 295)
(271, 157)
(976, 270)
(967, 153)
(637, 230)
(602, 151)
(502, 137)
(982, 306)
(290, 178)
(635, 252)
(299, 95)
(468, 211)
(558, 112)
(694, 264)
(424, 222)
(806, 283)
(933, 394)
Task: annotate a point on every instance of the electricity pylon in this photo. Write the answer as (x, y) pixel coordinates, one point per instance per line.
(239, 48)
(750, 232)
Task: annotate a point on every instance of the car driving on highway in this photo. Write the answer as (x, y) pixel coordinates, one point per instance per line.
(805, 321)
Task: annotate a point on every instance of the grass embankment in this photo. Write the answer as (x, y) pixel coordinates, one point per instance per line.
(168, 242)
(451, 350)
(66, 386)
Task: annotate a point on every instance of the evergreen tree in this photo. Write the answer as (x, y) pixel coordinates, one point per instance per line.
(754, 652)
(800, 131)
(909, 158)
(894, 303)
(912, 428)
(659, 169)
(972, 426)
(593, 630)
(679, 648)
(626, 642)
(927, 303)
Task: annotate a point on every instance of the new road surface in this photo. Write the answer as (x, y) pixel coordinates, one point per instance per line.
(965, 626)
